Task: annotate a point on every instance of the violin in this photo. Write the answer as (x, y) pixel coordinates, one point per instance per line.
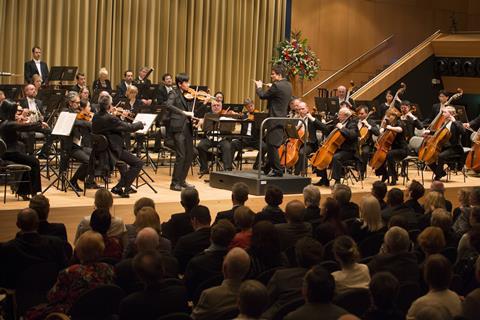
(120, 112)
(86, 116)
(198, 95)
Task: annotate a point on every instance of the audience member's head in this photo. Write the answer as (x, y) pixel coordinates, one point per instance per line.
(103, 199)
(345, 251)
(89, 247)
(431, 240)
(475, 196)
(437, 186)
(244, 218)
(147, 239)
(394, 197)
(379, 190)
(311, 196)
(396, 240)
(252, 299)
(27, 220)
(41, 205)
(236, 264)
(265, 239)
(273, 196)
(100, 221)
(308, 252)
(441, 218)
(384, 290)
(200, 217)
(416, 190)
(222, 233)
(398, 220)
(433, 200)
(141, 203)
(370, 213)
(294, 211)
(463, 196)
(239, 193)
(189, 198)
(147, 217)
(148, 265)
(318, 286)
(437, 272)
(331, 209)
(342, 193)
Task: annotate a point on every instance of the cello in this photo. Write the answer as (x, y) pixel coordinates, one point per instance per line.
(289, 151)
(436, 124)
(386, 139)
(473, 156)
(364, 133)
(435, 144)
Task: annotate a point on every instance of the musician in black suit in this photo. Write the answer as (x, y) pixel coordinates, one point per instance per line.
(453, 147)
(122, 87)
(102, 83)
(164, 89)
(278, 97)
(81, 82)
(142, 83)
(385, 105)
(409, 121)
(112, 128)
(349, 129)
(182, 131)
(35, 66)
(9, 132)
(366, 147)
(474, 124)
(442, 100)
(341, 96)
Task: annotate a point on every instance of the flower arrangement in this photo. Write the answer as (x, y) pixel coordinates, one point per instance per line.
(297, 57)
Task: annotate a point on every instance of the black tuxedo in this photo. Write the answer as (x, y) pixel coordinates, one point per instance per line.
(52, 229)
(29, 137)
(142, 85)
(475, 123)
(278, 97)
(190, 245)
(154, 302)
(162, 95)
(181, 128)
(97, 86)
(30, 68)
(28, 249)
(40, 106)
(410, 125)
(178, 226)
(121, 90)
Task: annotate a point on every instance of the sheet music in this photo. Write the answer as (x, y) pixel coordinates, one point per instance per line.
(147, 118)
(64, 124)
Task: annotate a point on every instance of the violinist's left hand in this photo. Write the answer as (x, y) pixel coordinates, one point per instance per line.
(44, 125)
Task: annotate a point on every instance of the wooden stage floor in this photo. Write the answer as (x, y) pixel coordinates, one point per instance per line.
(69, 209)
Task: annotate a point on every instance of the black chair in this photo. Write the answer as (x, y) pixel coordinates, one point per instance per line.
(371, 245)
(450, 253)
(287, 308)
(330, 265)
(266, 275)
(98, 303)
(176, 316)
(356, 301)
(351, 171)
(99, 150)
(209, 283)
(407, 293)
(12, 174)
(34, 284)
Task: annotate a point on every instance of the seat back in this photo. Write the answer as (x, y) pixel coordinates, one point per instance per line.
(407, 293)
(330, 265)
(97, 303)
(371, 245)
(287, 308)
(356, 301)
(266, 275)
(415, 143)
(99, 143)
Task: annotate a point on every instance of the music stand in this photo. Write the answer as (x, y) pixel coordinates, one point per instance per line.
(53, 100)
(12, 91)
(461, 113)
(321, 104)
(236, 107)
(333, 105)
(63, 128)
(62, 73)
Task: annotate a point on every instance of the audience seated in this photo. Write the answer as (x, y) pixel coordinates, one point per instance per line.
(139, 204)
(244, 218)
(193, 243)
(431, 241)
(416, 190)
(75, 280)
(294, 228)
(239, 197)
(441, 218)
(379, 191)
(215, 301)
(318, 291)
(384, 289)
(157, 298)
(41, 205)
(147, 240)
(395, 206)
(104, 200)
(471, 304)
(464, 243)
(208, 263)
(27, 249)
(180, 223)
(440, 187)
(437, 274)
(147, 217)
(352, 274)
(100, 222)
(370, 222)
(343, 194)
(264, 251)
(311, 199)
(286, 284)
(272, 212)
(462, 223)
(433, 200)
(396, 259)
(331, 226)
(466, 258)
(252, 299)
(463, 197)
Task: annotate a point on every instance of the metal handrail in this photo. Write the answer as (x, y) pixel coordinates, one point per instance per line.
(358, 59)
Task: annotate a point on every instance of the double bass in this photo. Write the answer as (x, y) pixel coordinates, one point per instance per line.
(386, 139)
(473, 156)
(436, 124)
